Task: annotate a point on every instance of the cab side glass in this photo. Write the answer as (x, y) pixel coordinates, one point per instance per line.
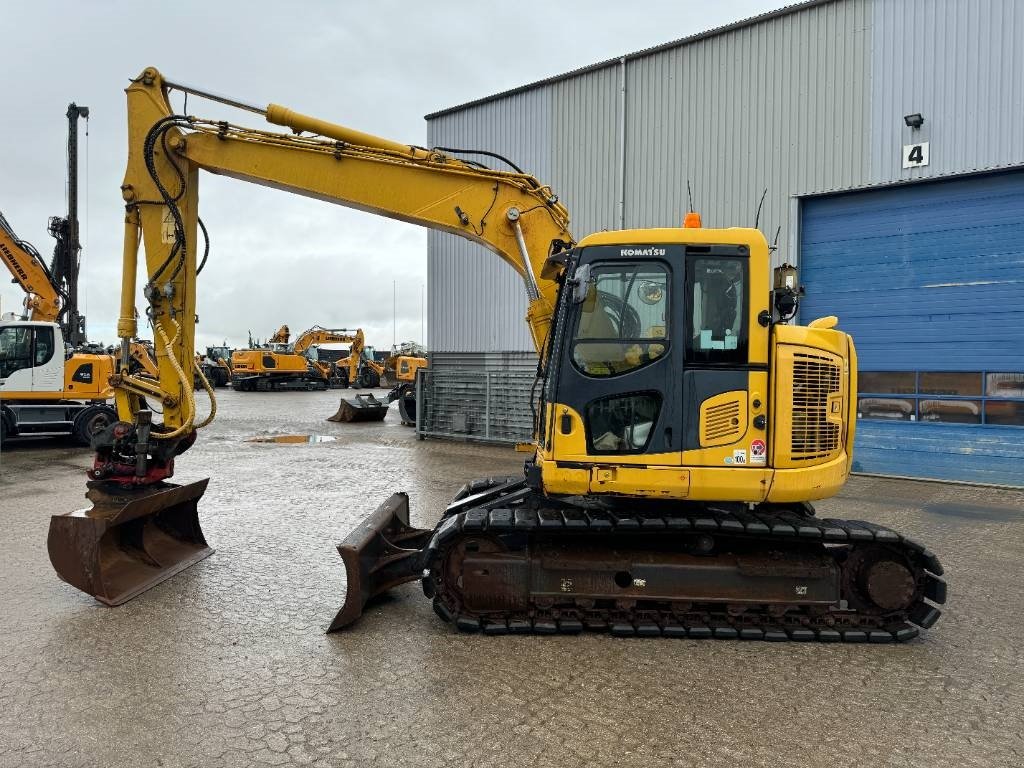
(718, 289)
(43, 346)
(622, 322)
(15, 349)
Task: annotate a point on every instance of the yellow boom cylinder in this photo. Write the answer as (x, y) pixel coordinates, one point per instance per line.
(279, 115)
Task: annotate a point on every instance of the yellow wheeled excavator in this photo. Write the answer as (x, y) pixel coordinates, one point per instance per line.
(682, 430)
(401, 372)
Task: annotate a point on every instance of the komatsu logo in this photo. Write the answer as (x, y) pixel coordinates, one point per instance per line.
(641, 251)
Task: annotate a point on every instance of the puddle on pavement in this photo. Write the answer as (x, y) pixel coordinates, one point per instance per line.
(292, 439)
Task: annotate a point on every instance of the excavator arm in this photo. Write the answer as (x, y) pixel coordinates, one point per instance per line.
(317, 335)
(509, 212)
(42, 301)
(281, 336)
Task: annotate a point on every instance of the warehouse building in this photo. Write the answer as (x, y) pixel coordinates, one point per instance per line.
(888, 138)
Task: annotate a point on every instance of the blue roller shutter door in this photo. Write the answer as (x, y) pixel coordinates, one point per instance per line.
(929, 279)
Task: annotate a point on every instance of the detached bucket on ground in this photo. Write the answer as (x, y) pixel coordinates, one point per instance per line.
(130, 540)
(360, 408)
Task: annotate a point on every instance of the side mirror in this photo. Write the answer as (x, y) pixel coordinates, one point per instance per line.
(581, 282)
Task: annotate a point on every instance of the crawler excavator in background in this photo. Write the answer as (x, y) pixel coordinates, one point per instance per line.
(52, 380)
(281, 365)
(682, 430)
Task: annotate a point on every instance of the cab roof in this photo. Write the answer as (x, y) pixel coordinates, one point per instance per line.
(748, 236)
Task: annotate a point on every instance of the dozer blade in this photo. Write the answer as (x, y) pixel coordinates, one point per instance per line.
(383, 552)
(361, 408)
(130, 540)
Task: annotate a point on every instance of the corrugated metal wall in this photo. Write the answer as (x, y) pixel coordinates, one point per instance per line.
(960, 63)
(585, 142)
(476, 302)
(780, 105)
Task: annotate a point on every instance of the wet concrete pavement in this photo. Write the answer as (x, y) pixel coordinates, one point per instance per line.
(227, 664)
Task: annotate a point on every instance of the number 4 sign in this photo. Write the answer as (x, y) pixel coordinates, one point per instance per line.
(915, 155)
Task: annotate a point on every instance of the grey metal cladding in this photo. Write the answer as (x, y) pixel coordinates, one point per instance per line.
(960, 64)
(585, 140)
(780, 105)
(476, 301)
(808, 100)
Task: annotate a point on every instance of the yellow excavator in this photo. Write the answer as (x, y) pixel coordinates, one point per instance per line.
(283, 366)
(682, 429)
(401, 372)
(52, 380)
(359, 369)
(216, 365)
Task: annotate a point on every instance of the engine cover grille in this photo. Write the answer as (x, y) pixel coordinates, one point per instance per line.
(815, 380)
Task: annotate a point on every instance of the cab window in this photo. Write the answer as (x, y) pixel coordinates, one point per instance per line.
(43, 346)
(15, 349)
(622, 423)
(718, 310)
(622, 324)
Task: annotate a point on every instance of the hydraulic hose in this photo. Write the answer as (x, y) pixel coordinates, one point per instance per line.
(186, 386)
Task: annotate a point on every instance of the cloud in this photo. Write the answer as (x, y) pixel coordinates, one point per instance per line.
(378, 66)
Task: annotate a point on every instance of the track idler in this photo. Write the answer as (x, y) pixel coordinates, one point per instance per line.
(383, 552)
(130, 540)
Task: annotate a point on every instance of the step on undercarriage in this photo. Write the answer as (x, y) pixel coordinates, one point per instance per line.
(504, 559)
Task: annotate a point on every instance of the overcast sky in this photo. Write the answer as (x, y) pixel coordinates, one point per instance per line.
(379, 67)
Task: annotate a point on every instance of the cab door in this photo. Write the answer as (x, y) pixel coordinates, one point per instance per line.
(47, 360)
(618, 390)
(725, 367)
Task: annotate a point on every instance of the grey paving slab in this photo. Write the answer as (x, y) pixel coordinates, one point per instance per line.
(227, 664)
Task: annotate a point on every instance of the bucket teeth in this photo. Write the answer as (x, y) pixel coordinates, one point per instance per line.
(129, 540)
(383, 552)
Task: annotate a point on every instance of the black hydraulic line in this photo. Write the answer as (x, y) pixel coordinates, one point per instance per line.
(206, 250)
(495, 155)
(159, 130)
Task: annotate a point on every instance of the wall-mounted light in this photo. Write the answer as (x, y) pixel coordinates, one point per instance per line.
(914, 121)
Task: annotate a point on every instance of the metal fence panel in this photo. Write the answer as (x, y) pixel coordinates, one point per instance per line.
(490, 406)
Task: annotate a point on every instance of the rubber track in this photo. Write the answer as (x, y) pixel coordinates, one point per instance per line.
(493, 506)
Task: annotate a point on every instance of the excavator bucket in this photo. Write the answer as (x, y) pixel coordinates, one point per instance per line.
(383, 552)
(130, 540)
(361, 408)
